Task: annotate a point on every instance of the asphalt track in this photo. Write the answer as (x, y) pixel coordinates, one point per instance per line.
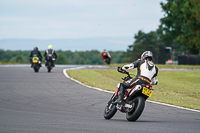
(51, 103)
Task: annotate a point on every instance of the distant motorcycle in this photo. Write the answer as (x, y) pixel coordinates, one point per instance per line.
(106, 58)
(50, 62)
(36, 63)
(133, 101)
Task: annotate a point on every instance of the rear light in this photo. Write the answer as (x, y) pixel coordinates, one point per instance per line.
(149, 86)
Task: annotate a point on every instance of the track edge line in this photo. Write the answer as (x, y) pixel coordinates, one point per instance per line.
(99, 89)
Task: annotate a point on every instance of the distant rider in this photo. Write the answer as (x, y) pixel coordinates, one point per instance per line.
(146, 74)
(37, 53)
(50, 51)
(105, 54)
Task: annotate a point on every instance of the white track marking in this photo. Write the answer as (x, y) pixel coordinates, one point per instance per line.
(65, 73)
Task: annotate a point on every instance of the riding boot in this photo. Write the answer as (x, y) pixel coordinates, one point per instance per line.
(119, 99)
(120, 95)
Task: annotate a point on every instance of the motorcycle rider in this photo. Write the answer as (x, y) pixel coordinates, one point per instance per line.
(105, 54)
(37, 53)
(146, 74)
(50, 51)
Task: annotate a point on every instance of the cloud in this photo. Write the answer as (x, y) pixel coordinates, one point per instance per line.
(48, 19)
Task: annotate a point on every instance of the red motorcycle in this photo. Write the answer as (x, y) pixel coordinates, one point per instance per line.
(106, 58)
(133, 101)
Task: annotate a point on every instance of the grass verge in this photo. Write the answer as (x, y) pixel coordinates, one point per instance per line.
(180, 88)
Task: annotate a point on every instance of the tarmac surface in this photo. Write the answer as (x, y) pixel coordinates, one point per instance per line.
(51, 103)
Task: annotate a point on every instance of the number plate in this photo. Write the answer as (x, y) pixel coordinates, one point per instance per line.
(147, 91)
(35, 61)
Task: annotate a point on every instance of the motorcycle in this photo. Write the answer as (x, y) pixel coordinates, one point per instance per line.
(133, 102)
(50, 62)
(106, 58)
(36, 63)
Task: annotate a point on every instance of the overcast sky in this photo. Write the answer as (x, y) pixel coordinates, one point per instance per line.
(55, 19)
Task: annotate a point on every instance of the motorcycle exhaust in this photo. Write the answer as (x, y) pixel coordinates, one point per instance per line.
(136, 89)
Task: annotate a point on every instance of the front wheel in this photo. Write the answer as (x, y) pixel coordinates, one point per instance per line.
(110, 109)
(134, 113)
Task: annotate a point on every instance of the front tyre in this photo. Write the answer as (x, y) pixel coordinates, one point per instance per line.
(110, 111)
(134, 113)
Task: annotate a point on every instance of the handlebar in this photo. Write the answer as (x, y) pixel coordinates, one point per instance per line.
(119, 69)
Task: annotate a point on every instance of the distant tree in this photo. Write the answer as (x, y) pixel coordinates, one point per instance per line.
(181, 23)
(143, 42)
(117, 56)
(64, 57)
(19, 59)
(61, 59)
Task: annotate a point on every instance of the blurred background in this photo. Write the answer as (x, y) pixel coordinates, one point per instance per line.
(79, 30)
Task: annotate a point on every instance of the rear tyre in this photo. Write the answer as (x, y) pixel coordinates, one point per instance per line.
(134, 113)
(36, 67)
(49, 67)
(108, 61)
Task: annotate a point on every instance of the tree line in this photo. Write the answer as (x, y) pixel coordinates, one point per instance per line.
(64, 57)
(178, 29)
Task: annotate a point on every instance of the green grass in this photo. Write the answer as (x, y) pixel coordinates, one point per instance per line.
(104, 79)
(181, 88)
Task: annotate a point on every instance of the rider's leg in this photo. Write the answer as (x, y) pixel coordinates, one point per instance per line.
(120, 94)
(126, 84)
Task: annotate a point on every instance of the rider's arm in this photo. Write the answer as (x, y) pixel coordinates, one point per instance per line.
(128, 67)
(154, 80)
(132, 65)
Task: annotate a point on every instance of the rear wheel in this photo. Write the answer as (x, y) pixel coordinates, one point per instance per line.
(49, 67)
(134, 113)
(36, 67)
(108, 61)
